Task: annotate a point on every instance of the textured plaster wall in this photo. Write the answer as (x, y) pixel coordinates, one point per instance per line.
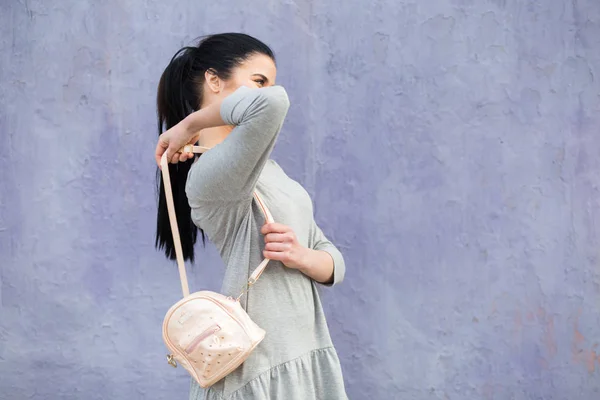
(452, 148)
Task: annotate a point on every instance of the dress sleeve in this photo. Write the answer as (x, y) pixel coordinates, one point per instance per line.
(320, 242)
(230, 170)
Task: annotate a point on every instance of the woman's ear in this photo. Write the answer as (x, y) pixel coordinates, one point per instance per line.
(215, 84)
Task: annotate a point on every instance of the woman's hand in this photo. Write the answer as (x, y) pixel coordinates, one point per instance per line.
(173, 140)
(282, 245)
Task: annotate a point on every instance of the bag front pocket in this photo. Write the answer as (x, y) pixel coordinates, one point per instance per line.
(201, 337)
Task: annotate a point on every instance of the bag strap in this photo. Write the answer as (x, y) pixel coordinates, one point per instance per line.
(175, 229)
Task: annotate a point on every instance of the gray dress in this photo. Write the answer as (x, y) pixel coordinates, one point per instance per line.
(296, 360)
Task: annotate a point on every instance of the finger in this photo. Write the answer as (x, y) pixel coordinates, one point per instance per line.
(274, 228)
(174, 157)
(276, 237)
(277, 247)
(183, 157)
(275, 255)
(161, 147)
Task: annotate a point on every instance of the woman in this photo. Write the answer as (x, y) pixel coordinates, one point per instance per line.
(222, 95)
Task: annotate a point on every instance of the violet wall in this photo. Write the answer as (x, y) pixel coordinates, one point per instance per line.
(452, 148)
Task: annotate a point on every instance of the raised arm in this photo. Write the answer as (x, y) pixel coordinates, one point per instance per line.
(230, 170)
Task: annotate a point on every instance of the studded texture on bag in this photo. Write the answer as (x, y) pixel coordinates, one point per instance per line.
(210, 335)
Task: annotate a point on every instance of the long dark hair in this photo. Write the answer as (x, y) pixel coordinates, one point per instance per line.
(180, 94)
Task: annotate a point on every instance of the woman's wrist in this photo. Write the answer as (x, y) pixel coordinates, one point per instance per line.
(191, 124)
(207, 117)
(316, 264)
(302, 260)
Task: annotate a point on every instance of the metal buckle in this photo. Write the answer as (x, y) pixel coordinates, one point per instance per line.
(246, 287)
(171, 361)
